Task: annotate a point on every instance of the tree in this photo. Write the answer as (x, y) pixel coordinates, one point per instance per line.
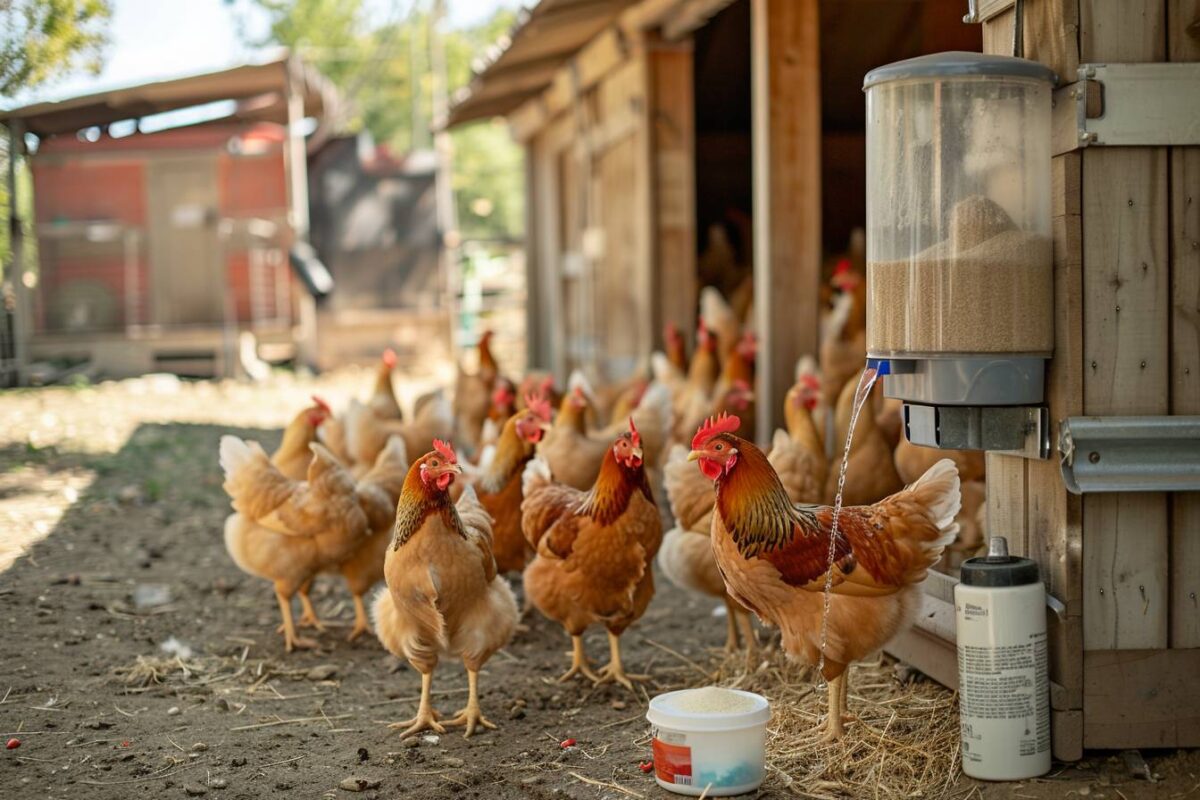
(41, 40)
(381, 66)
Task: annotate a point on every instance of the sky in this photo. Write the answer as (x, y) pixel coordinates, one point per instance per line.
(156, 39)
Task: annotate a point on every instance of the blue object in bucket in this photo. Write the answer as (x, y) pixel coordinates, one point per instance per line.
(738, 775)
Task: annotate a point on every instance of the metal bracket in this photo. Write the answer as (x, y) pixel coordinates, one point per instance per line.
(1130, 454)
(1013, 430)
(1140, 104)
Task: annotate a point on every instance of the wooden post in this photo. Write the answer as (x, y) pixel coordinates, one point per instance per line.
(296, 162)
(673, 147)
(535, 351)
(786, 118)
(24, 307)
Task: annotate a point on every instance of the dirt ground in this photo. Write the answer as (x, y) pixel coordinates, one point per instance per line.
(137, 661)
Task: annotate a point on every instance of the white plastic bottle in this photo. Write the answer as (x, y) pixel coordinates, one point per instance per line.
(1003, 685)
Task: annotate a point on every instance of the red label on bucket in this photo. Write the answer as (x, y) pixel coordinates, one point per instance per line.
(672, 763)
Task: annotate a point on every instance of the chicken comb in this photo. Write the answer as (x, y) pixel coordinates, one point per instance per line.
(389, 358)
(741, 385)
(726, 423)
(538, 404)
(634, 437)
(671, 332)
(748, 346)
(503, 395)
(446, 449)
(842, 267)
(321, 404)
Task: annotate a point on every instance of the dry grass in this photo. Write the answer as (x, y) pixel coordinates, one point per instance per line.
(904, 744)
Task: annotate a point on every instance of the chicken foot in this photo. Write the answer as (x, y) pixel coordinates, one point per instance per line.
(579, 663)
(308, 615)
(613, 670)
(290, 640)
(731, 627)
(746, 627)
(471, 716)
(361, 625)
(835, 721)
(426, 718)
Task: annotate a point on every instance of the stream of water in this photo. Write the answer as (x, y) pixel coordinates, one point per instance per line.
(862, 394)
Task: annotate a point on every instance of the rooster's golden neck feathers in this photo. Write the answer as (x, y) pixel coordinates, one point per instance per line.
(753, 504)
(418, 502)
(512, 454)
(614, 488)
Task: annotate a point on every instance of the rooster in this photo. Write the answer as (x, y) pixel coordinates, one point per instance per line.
(443, 594)
(499, 485)
(775, 555)
(594, 551)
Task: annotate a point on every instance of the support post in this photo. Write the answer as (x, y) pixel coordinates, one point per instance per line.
(16, 271)
(786, 97)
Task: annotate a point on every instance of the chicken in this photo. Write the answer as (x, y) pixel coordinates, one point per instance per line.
(843, 347)
(676, 348)
(378, 492)
(594, 551)
(504, 405)
(972, 533)
(692, 398)
(443, 594)
(686, 556)
(366, 434)
(775, 556)
(574, 454)
(798, 454)
(540, 384)
(286, 530)
(719, 317)
(473, 394)
(499, 486)
(912, 460)
(292, 457)
(383, 401)
(871, 472)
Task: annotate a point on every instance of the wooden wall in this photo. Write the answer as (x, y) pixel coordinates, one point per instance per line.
(1125, 238)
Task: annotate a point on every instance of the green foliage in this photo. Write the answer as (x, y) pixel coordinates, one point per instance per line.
(41, 40)
(382, 66)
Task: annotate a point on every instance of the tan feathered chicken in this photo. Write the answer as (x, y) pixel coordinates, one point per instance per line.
(871, 472)
(774, 556)
(383, 402)
(798, 454)
(286, 530)
(574, 454)
(292, 457)
(692, 397)
(594, 551)
(473, 394)
(366, 434)
(443, 595)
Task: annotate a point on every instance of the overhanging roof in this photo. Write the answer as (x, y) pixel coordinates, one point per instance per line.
(524, 63)
(260, 88)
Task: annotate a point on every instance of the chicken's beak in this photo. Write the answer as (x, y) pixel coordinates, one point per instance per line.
(694, 455)
(546, 426)
(637, 453)
(455, 468)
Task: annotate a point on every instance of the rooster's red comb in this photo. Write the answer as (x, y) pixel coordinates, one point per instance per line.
(726, 423)
(321, 404)
(538, 404)
(446, 449)
(503, 395)
(634, 436)
(389, 358)
(843, 266)
(810, 382)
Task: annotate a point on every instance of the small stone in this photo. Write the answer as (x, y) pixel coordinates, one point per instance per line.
(321, 672)
(619, 705)
(411, 743)
(358, 785)
(199, 747)
(218, 783)
(173, 711)
(97, 725)
(1084, 791)
(222, 704)
(516, 712)
(431, 738)
(238, 761)
(451, 761)
(531, 780)
(192, 790)
(363, 755)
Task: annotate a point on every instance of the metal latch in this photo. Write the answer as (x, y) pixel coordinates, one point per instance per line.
(1130, 454)
(1139, 104)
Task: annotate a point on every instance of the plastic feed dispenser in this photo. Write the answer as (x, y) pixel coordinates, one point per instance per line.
(959, 262)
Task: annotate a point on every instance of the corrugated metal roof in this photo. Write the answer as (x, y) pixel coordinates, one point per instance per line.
(260, 89)
(523, 63)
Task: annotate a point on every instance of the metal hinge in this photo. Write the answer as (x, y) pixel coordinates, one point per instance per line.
(1130, 454)
(1129, 105)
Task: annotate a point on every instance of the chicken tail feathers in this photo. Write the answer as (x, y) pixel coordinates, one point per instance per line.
(236, 454)
(939, 491)
(395, 629)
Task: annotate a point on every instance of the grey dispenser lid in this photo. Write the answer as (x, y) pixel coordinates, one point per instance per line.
(959, 64)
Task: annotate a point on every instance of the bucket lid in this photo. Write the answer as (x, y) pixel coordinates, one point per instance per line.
(998, 568)
(959, 64)
(665, 713)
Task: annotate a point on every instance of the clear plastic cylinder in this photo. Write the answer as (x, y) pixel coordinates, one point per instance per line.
(959, 257)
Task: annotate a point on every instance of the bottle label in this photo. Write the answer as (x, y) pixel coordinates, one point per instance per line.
(672, 762)
(999, 685)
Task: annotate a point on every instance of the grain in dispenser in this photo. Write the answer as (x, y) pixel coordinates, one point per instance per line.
(959, 265)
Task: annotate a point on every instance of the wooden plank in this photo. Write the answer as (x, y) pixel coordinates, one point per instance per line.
(1007, 498)
(673, 148)
(786, 114)
(932, 655)
(1126, 363)
(1142, 698)
(1183, 44)
(528, 118)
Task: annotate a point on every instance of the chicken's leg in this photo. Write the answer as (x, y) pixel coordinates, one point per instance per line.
(833, 722)
(361, 625)
(308, 616)
(426, 718)
(579, 663)
(748, 637)
(731, 629)
(290, 640)
(471, 716)
(613, 670)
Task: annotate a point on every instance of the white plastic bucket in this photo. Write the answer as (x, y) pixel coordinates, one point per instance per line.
(721, 752)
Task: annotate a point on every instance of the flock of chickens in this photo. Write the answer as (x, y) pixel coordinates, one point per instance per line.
(570, 489)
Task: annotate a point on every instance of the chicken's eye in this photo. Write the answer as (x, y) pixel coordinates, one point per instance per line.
(719, 447)
(433, 463)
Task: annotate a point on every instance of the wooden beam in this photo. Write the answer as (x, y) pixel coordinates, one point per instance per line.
(786, 118)
(673, 147)
(23, 320)
(1142, 698)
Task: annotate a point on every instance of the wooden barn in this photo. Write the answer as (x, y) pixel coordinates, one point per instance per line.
(158, 247)
(647, 122)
